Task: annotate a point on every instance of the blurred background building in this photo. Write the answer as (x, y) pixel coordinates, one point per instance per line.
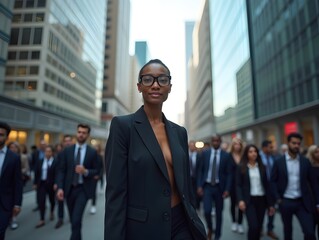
(264, 71)
(54, 68)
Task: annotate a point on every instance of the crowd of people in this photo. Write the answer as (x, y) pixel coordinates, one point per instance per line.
(156, 179)
(260, 182)
(65, 173)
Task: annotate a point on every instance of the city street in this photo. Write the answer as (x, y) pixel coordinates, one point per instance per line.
(93, 224)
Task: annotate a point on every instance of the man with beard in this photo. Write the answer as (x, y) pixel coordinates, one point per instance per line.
(10, 181)
(294, 188)
(78, 165)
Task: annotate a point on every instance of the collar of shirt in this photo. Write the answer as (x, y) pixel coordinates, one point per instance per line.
(4, 150)
(77, 145)
(49, 160)
(252, 166)
(289, 158)
(213, 150)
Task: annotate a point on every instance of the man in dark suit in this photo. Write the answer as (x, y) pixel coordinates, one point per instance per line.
(214, 183)
(67, 141)
(194, 163)
(44, 179)
(10, 181)
(294, 188)
(78, 165)
(268, 159)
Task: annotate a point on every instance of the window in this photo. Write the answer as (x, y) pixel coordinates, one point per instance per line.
(16, 18)
(104, 107)
(39, 17)
(10, 71)
(20, 85)
(14, 36)
(37, 38)
(34, 70)
(8, 85)
(32, 85)
(18, 4)
(28, 17)
(22, 71)
(30, 4)
(41, 3)
(25, 36)
(12, 55)
(23, 55)
(35, 55)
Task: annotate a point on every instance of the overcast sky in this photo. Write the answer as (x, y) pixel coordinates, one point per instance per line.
(162, 24)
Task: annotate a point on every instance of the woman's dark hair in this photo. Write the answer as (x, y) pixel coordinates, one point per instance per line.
(151, 62)
(244, 160)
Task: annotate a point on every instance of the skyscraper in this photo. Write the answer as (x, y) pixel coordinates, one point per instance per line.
(142, 52)
(117, 78)
(55, 57)
(5, 20)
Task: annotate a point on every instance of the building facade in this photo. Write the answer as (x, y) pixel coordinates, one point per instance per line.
(199, 110)
(117, 79)
(6, 7)
(55, 56)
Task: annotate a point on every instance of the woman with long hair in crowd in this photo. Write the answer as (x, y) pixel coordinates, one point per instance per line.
(236, 150)
(313, 156)
(253, 191)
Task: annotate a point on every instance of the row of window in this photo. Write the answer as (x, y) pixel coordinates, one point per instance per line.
(26, 36)
(66, 97)
(29, 3)
(30, 85)
(22, 70)
(55, 78)
(28, 17)
(23, 55)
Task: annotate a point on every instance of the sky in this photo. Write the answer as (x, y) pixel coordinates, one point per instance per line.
(161, 23)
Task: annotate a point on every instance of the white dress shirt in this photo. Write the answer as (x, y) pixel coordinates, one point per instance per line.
(209, 174)
(3, 153)
(293, 173)
(256, 187)
(83, 152)
(46, 164)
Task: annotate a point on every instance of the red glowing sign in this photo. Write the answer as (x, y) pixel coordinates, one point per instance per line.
(291, 127)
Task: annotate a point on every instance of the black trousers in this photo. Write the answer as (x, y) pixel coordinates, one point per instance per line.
(236, 213)
(290, 207)
(60, 209)
(5, 216)
(180, 227)
(43, 190)
(76, 202)
(255, 213)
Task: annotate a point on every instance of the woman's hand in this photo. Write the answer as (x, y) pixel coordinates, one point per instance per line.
(242, 206)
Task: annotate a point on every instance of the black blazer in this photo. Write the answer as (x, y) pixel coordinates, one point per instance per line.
(10, 182)
(279, 181)
(224, 172)
(66, 170)
(51, 173)
(243, 185)
(138, 199)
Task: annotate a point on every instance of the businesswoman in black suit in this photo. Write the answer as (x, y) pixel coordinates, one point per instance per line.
(148, 192)
(253, 192)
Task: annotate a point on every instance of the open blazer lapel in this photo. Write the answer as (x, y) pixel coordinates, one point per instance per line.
(147, 135)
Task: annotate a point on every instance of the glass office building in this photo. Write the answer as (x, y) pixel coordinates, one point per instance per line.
(55, 56)
(230, 52)
(285, 54)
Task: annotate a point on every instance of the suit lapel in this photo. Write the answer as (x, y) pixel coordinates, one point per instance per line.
(5, 162)
(147, 135)
(176, 152)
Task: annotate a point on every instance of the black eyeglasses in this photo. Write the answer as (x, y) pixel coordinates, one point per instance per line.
(162, 80)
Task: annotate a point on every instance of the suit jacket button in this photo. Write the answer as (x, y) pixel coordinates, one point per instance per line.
(166, 217)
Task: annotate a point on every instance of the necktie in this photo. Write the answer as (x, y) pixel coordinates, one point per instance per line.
(268, 166)
(77, 162)
(214, 168)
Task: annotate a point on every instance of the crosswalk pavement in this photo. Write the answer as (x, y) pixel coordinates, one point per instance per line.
(93, 225)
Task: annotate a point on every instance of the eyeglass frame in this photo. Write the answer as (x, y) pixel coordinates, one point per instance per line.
(156, 79)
